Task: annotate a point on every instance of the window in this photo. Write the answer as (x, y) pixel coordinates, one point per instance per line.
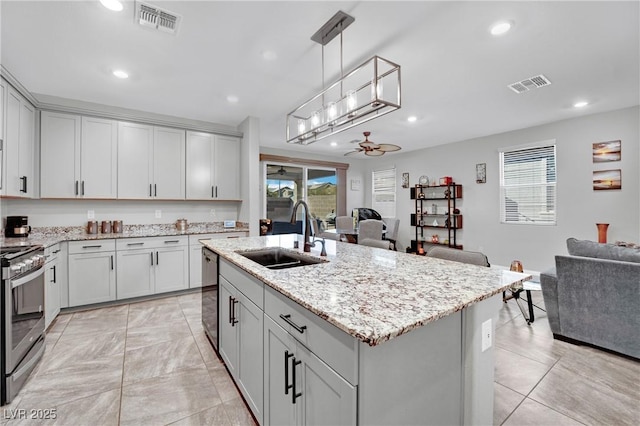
(528, 184)
(384, 192)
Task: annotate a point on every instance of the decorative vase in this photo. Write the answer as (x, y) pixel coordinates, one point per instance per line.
(602, 232)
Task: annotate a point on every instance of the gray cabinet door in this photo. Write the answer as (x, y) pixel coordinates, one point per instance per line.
(98, 158)
(228, 341)
(51, 292)
(279, 347)
(172, 269)
(168, 163)
(250, 353)
(135, 161)
(59, 155)
(134, 275)
(199, 166)
(92, 278)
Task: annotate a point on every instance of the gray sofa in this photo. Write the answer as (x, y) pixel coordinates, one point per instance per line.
(593, 296)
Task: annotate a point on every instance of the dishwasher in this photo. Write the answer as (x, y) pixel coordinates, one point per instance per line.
(210, 291)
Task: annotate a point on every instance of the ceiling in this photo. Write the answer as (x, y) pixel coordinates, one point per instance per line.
(454, 72)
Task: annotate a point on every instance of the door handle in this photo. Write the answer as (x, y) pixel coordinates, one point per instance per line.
(155, 189)
(112, 263)
(294, 394)
(216, 191)
(234, 321)
(287, 319)
(230, 309)
(77, 187)
(54, 274)
(24, 184)
(151, 258)
(287, 386)
(82, 188)
(149, 190)
(157, 259)
(212, 196)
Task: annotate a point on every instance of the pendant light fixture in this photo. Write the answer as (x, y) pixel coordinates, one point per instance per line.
(369, 91)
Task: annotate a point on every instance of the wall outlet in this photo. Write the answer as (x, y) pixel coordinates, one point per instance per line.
(158, 214)
(487, 335)
(91, 214)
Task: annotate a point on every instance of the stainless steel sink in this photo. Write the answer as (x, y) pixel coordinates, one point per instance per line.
(279, 258)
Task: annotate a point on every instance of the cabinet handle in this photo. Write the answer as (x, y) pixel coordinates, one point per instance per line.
(54, 274)
(82, 188)
(87, 247)
(24, 184)
(287, 386)
(77, 187)
(155, 189)
(157, 259)
(149, 190)
(216, 191)
(287, 319)
(112, 262)
(56, 251)
(212, 196)
(294, 394)
(234, 321)
(230, 309)
(134, 244)
(151, 258)
(172, 241)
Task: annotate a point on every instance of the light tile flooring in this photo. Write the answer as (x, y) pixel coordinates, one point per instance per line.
(149, 363)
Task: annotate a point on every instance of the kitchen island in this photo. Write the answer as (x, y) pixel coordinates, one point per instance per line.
(377, 337)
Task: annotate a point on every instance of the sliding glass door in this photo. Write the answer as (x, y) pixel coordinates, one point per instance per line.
(285, 184)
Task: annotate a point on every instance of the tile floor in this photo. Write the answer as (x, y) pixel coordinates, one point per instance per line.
(149, 363)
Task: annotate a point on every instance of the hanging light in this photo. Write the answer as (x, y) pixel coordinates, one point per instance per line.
(370, 90)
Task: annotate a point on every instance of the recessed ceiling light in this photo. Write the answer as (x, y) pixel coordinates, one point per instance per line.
(232, 99)
(120, 74)
(412, 119)
(269, 55)
(500, 28)
(334, 143)
(580, 104)
(114, 5)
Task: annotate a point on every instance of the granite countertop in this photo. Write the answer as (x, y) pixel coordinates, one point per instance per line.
(48, 236)
(370, 293)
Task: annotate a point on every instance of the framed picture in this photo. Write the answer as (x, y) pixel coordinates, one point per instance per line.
(607, 151)
(481, 173)
(607, 179)
(405, 180)
(355, 184)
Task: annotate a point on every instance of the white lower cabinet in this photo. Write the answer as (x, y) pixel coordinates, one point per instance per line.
(151, 265)
(195, 254)
(51, 284)
(299, 388)
(240, 333)
(92, 272)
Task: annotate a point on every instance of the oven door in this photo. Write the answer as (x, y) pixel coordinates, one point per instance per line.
(24, 315)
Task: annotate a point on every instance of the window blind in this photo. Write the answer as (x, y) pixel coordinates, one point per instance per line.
(528, 185)
(384, 192)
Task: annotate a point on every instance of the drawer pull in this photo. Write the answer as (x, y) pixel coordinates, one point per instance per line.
(287, 319)
(88, 247)
(135, 244)
(172, 241)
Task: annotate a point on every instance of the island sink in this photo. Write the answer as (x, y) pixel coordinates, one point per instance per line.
(279, 258)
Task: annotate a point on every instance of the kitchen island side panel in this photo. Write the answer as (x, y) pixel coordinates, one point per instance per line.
(416, 378)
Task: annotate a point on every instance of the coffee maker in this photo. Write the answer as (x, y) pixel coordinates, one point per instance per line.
(17, 226)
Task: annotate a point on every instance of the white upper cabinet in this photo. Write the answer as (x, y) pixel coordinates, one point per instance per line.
(59, 155)
(98, 158)
(77, 156)
(150, 162)
(18, 146)
(213, 164)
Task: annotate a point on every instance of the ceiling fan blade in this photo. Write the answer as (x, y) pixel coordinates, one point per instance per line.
(354, 152)
(368, 145)
(354, 141)
(374, 153)
(388, 147)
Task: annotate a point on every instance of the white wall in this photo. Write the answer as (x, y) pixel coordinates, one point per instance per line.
(579, 207)
(74, 212)
(250, 178)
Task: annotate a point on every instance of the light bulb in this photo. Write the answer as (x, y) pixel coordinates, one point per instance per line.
(376, 92)
(315, 119)
(301, 127)
(351, 100)
(332, 113)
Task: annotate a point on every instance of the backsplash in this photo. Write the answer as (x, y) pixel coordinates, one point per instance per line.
(74, 212)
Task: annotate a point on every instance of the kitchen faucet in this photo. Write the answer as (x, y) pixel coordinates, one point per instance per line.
(307, 228)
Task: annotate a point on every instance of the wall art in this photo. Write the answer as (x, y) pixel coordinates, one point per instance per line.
(405, 180)
(607, 179)
(481, 173)
(607, 151)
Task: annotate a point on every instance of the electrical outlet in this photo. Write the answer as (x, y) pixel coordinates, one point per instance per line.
(91, 214)
(158, 214)
(213, 212)
(487, 335)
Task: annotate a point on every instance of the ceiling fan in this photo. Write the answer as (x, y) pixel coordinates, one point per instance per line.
(280, 172)
(371, 148)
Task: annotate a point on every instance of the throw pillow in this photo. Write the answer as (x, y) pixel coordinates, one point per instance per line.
(586, 248)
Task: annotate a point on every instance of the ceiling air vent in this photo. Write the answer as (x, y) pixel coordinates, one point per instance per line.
(529, 84)
(150, 16)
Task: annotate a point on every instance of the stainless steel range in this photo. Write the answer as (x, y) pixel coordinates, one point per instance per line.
(22, 319)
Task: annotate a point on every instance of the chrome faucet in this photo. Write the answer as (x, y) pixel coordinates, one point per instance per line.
(307, 228)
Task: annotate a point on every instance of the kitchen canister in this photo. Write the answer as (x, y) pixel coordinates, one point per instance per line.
(117, 226)
(181, 224)
(92, 227)
(106, 227)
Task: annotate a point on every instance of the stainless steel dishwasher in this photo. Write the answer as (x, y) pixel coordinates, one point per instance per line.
(210, 295)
